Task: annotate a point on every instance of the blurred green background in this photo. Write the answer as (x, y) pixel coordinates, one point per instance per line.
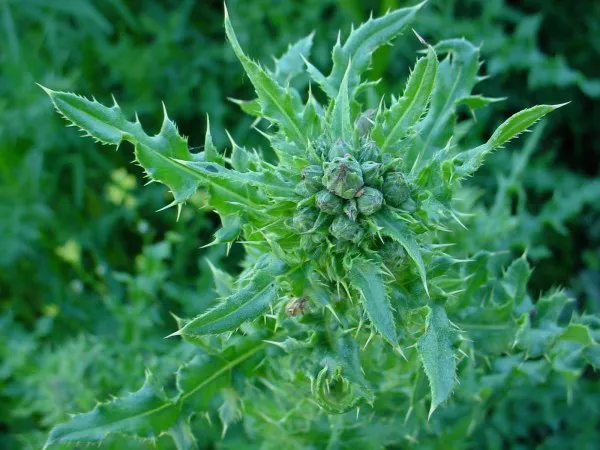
(89, 271)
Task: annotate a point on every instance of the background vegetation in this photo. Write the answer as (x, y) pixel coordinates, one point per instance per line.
(89, 271)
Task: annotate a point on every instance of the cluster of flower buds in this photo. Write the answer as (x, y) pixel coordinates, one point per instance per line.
(344, 186)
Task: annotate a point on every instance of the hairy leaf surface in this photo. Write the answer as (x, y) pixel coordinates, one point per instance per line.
(366, 278)
(435, 349)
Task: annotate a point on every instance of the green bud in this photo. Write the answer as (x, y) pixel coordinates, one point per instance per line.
(304, 219)
(312, 176)
(339, 149)
(369, 151)
(346, 230)
(393, 255)
(370, 201)
(329, 203)
(351, 209)
(371, 173)
(343, 177)
(395, 190)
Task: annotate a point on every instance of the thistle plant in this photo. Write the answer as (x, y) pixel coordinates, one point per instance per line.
(350, 295)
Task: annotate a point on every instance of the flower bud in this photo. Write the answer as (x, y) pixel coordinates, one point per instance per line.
(351, 209)
(343, 177)
(339, 149)
(370, 201)
(304, 219)
(369, 151)
(371, 172)
(329, 203)
(312, 176)
(344, 229)
(394, 188)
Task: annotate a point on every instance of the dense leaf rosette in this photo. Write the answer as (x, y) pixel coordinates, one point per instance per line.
(345, 237)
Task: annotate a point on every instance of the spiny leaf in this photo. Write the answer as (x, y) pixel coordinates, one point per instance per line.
(154, 153)
(398, 120)
(291, 62)
(394, 228)
(456, 77)
(468, 162)
(230, 410)
(204, 369)
(478, 101)
(207, 173)
(182, 435)
(246, 304)
(435, 349)
(210, 151)
(145, 414)
(361, 44)
(341, 121)
(366, 278)
(276, 102)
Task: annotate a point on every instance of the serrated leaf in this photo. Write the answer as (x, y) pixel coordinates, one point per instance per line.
(437, 355)
(366, 278)
(245, 305)
(579, 333)
(154, 153)
(466, 163)
(144, 414)
(396, 122)
(478, 101)
(208, 173)
(291, 62)
(514, 282)
(223, 281)
(394, 228)
(204, 370)
(341, 121)
(183, 436)
(250, 107)
(361, 44)
(231, 227)
(210, 151)
(230, 410)
(277, 103)
(456, 77)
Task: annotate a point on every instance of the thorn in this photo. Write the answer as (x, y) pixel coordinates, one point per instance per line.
(46, 90)
(423, 41)
(173, 203)
(176, 333)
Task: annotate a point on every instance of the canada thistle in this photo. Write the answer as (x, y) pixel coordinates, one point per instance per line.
(349, 217)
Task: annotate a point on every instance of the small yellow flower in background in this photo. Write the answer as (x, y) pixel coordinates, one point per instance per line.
(119, 190)
(69, 252)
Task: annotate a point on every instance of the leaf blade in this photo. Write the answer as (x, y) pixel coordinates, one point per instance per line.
(366, 278)
(145, 414)
(245, 305)
(109, 126)
(362, 42)
(277, 103)
(396, 230)
(407, 111)
(437, 356)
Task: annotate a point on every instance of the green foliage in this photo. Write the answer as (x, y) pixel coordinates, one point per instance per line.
(332, 356)
(293, 251)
